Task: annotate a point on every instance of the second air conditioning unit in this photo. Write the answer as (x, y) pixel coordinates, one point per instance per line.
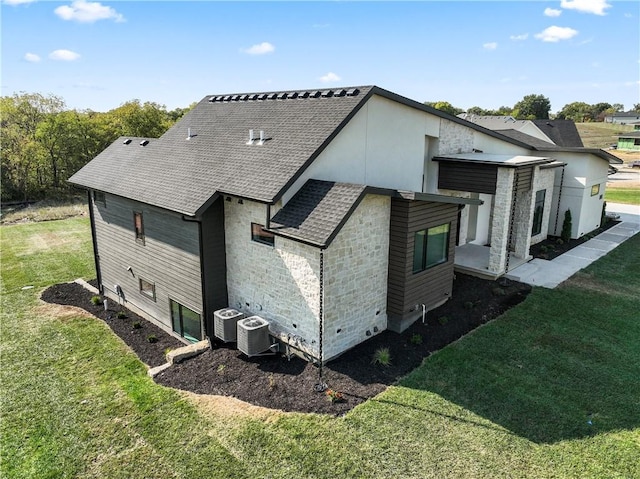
(225, 323)
(253, 336)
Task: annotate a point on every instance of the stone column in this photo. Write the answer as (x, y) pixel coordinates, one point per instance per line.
(500, 223)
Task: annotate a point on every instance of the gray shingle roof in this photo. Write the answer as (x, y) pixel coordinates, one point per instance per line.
(182, 175)
(317, 211)
(561, 132)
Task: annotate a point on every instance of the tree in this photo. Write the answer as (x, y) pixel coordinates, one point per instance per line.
(532, 107)
(444, 106)
(636, 107)
(577, 111)
(565, 234)
(146, 120)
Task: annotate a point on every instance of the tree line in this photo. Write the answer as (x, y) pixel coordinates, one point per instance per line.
(42, 143)
(538, 107)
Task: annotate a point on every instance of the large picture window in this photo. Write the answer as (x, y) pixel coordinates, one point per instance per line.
(538, 211)
(185, 322)
(431, 247)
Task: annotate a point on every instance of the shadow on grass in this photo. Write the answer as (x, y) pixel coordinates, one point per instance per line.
(564, 365)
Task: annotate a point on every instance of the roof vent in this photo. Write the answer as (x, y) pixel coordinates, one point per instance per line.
(292, 95)
(253, 97)
(262, 138)
(282, 96)
(251, 138)
(235, 97)
(212, 99)
(303, 94)
(144, 142)
(327, 93)
(127, 141)
(340, 93)
(243, 97)
(262, 96)
(190, 134)
(352, 92)
(272, 96)
(314, 94)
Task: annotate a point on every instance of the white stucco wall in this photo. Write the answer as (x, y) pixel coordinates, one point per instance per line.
(383, 145)
(355, 271)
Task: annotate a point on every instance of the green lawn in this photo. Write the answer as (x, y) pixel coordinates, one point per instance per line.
(629, 196)
(512, 399)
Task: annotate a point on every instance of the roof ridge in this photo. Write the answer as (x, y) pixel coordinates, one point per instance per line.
(289, 95)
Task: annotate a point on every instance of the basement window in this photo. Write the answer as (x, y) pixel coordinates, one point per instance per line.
(148, 289)
(260, 235)
(138, 226)
(431, 247)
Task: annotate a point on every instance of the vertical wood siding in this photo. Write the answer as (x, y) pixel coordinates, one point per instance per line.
(169, 257)
(432, 286)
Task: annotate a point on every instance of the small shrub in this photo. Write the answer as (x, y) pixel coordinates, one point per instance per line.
(137, 325)
(167, 351)
(443, 320)
(221, 368)
(468, 305)
(334, 396)
(544, 248)
(415, 339)
(603, 215)
(382, 356)
(96, 300)
(498, 292)
(565, 235)
(121, 315)
(152, 338)
(272, 381)
(559, 241)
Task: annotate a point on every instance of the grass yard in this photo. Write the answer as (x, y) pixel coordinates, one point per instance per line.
(550, 389)
(629, 196)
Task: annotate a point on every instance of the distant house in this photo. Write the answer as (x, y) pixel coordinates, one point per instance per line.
(623, 118)
(629, 141)
(332, 214)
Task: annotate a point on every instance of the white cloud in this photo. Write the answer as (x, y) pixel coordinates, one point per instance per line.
(330, 77)
(87, 12)
(555, 34)
(17, 2)
(597, 7)
(516, 38)
(552, 12)
(64, 55)
(32, 57)
(260, 49)
(490, 46)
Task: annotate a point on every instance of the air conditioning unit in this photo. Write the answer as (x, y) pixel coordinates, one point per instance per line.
(253, 336)
(225, 323)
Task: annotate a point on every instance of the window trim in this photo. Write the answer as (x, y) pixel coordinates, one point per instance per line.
(262, 236)
(147, 294)
(138, 232)
(425, 248)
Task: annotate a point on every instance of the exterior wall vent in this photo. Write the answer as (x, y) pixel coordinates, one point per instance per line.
(225, 324)
(253, 336)
(144, 142)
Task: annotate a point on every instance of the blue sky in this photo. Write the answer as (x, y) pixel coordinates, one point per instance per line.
(97, 55)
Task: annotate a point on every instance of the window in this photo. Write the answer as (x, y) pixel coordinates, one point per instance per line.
(138, 225)
(260, 235)
(636, 142)
(538, 210)
(431, 247)
(147, 289)
(99, 197)
(185, 322)
(595, 189)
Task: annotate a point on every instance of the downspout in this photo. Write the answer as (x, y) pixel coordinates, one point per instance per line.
(202, 277)
(94, 240)
(267, 223)
(321, 385)
(512, 219)
(555, 226)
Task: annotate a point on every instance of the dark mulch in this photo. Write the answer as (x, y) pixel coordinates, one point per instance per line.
(553, 246)
(279, 383)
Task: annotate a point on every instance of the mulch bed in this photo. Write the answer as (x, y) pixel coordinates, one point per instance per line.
(553, 246)
(278, 383)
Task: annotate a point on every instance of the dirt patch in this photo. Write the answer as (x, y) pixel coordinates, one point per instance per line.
(554, 246)
(276, 382)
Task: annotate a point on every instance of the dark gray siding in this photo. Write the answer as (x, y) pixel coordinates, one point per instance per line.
(169, 257)
(432, 286)
(214, 262)
(476, 178)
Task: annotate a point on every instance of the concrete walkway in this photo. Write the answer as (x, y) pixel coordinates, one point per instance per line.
(549, 274)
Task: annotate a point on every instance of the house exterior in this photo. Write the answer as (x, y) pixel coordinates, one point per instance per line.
(333, 214)
(623, 117)
(629, 141)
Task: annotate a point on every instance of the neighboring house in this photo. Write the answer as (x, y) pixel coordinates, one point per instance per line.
(623, 118)
(332, 214)
(629, 141)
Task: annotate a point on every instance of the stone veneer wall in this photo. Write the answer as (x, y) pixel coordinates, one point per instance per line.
(543, 180)
(500, 223)
(280, 283)
(355, 272)
(454, 138)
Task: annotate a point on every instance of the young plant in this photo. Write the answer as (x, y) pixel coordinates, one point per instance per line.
(382, 356)
(334, 396)
(415, 339)
(443, 320)
(96, 300)
(137, 325)
(468, 305)
(152, 338)
(121, 315)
